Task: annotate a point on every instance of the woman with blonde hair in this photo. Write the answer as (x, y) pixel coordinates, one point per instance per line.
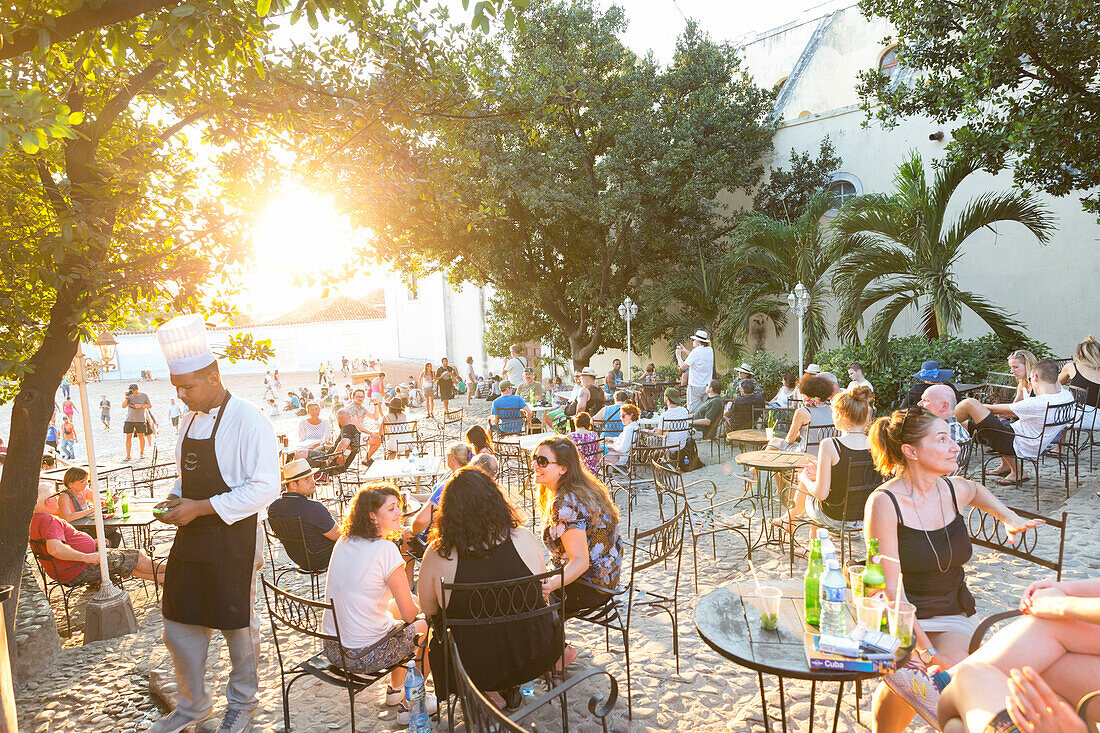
(1084, 372)
(580, 525)
(370, 593)
(917, 518)
(823, 485)
(426, 382)
(1021, 364)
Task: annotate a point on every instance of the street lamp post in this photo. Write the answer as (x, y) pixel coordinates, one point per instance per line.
(799, 301)
(628, 309)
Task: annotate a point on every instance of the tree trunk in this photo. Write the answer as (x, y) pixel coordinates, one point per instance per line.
(30, 416)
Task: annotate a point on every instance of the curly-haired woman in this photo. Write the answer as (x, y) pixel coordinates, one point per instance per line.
(479, 537)
(369, 588)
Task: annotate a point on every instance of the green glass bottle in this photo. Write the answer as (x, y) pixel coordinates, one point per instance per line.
(125, 505)
(110, 503)
(874, 580)
(813, 584)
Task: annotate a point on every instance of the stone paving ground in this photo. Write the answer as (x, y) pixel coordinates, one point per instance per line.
(104, 686)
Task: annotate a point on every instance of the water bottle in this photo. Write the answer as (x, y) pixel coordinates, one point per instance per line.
(414, 699)
(828, 549)
(527, 689)
(833, 591)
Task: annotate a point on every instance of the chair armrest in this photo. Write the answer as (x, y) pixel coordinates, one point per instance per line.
(986, 624)
(594, 703)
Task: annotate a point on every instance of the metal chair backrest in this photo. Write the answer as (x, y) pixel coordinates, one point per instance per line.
(818, 433)
(512, 420)
(402, 433)
(966, 450)
(989, 532)
(477, 711)
(1058, 418)
(453, 417)
(675, 430)
(43, 557)
(1001, 379)
(291, 532)
(863, 479)
(658, 545)
(299, 614)
(609, 428)
(590, 450)
(780, 417)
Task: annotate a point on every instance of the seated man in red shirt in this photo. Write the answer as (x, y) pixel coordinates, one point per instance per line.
(69, 556)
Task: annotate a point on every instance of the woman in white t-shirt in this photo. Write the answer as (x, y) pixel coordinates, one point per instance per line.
(618, 449)
(370, 593)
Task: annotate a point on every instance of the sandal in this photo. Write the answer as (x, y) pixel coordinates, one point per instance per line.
(999, 472)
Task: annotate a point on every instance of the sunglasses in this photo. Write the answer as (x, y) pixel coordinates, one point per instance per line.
(543, 461)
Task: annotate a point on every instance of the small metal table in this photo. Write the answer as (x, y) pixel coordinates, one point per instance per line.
(967, 388)
(527, 442)
(403, 468)
(766, 463)
(748, 437)
(728, 620)
(140, 520)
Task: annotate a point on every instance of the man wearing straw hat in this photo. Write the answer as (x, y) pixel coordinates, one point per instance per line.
(699, 364)
(229, 474)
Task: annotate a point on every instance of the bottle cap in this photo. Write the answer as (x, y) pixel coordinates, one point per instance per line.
(823, 534)
(832, 565)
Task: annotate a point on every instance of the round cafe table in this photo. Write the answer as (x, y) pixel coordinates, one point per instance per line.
(728, 620)
(749, 437)
(766, 463)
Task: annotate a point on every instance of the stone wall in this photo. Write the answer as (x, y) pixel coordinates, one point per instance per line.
(36, 639)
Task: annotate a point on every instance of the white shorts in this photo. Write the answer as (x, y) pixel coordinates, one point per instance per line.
(376, 397)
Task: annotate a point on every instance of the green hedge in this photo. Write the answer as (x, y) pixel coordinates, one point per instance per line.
(970, 359)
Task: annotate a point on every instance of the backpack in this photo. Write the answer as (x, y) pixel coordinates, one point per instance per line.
(687, 458)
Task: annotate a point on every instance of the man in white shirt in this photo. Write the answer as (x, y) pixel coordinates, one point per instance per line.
(699, 364)
(514, 365)
(228, 465)
(1028, 436)
(855, 373)
(674, 411)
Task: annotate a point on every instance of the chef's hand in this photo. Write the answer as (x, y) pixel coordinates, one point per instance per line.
(183, 511)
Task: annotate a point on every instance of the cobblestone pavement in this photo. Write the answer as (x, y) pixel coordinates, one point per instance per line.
(104, 686)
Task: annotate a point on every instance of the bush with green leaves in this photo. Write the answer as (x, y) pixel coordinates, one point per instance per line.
(970, 359)
(767, 370)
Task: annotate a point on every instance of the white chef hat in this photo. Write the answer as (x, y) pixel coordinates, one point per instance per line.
(183, 341)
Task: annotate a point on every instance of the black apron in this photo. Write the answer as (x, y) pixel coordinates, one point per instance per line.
(208, 581)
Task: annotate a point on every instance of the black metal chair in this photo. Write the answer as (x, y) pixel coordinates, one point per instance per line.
(1086, 424)
(500, 602)
(304, 616)
(658, 545)
(291, 533)
(451, 427)
(1056, 433)
(511, 421)
(703, 516)
(987, 531)
(148, 477)
(676, 431)
(777, 418)
(481, 716)
(966, 451)
(863, 479)
(401, 434)
(49, 585)
(632, 476)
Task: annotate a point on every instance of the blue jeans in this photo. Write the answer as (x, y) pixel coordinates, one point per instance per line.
(67, 448)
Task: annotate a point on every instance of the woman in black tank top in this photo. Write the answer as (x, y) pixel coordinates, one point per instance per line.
(917, 517)
(478, 537)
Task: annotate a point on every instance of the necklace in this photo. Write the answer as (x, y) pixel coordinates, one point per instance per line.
(946, 534)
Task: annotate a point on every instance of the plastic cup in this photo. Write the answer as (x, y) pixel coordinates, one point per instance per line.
(869, 612)
(901, 622)
(768, 597)
(854, 574)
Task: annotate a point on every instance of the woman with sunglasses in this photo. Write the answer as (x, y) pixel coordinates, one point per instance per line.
(580, 528)
(917, 518)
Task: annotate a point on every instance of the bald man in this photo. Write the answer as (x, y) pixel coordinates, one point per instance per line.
(939, 399)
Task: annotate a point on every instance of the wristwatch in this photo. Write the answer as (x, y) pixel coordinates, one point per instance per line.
(928, 654)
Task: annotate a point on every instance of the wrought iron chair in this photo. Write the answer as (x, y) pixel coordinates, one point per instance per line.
(304, 616)
(49, 585)
(481, 715)
(777, 418)
(148, 477)
(511, 421)
(400, 433)
(1086, 424)
(966, 451)
(650, 547)
(1056, 433)
(290, 533)
(451, 427)
(863, 479)
(502, 603)
(704, 518)
(633, 476)
(1036, 546)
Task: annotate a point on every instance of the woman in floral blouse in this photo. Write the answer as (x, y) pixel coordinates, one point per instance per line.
(580, 526)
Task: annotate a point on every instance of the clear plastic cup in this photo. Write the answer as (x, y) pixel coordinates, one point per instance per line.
(854, 575)
(768, 599)
(869, 612)
(901, 621)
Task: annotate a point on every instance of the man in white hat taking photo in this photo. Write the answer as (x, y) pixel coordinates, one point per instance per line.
(699, 364)
(229, 474)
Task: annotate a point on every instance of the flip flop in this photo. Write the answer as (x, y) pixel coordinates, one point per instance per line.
(999, 472)
(1011, 482)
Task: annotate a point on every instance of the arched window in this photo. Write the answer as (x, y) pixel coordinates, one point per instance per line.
(888, 63)
(805, 113)
(844, 187)
(779, 85)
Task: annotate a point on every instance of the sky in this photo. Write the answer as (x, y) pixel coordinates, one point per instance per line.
(297, 216)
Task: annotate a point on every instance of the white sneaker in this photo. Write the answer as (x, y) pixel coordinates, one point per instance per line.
(394, 697)
(174, 723)
(403, 711)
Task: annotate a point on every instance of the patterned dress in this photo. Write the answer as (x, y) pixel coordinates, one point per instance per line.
(588, 445)
(605, 546)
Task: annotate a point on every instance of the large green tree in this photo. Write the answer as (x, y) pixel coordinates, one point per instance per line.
(1018, 78)
(106, 208)
(769, 258)
(899, 251)
(594, 186)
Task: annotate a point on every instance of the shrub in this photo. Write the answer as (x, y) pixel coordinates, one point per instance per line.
(767, 371)
(970, 359)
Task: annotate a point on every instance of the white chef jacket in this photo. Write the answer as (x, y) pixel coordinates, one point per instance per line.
(248, 458)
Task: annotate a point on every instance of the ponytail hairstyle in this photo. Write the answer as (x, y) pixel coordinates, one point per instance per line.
(888, 434)
(1088, 352)
(853, 407)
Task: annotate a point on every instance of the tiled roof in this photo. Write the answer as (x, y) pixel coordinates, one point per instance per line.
(338, 308)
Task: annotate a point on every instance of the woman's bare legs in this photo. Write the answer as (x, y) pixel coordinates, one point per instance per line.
(891, 713)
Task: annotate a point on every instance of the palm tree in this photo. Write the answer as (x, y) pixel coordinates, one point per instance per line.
(769, 259)
(898, 250)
